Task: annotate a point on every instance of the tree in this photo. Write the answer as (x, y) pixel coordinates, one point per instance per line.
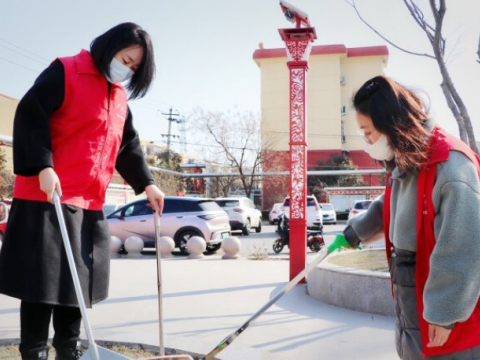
(7, 179)
(317, 184)
(232, 140)
(438, 43)
(169, 183)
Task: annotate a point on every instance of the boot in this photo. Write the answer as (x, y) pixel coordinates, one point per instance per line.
(40, 353)
(69, 351)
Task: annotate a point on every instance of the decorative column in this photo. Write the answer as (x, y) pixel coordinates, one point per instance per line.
(298, 43)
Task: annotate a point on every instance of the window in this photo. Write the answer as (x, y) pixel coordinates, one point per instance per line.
(173, 206)
(209, 205)
(138, 209)
(227, 203)
(362, 205)
(310, 201)
(327, 207)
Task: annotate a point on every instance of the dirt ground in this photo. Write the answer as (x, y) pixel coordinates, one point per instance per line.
(10, 352)
(363, 260)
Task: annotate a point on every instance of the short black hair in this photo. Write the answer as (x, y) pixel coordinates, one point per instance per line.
(125, 35)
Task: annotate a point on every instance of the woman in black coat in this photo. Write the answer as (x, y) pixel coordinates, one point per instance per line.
(71, 130)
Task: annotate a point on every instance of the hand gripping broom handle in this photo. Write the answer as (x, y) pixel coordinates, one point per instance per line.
(73, 270)
(229, 339)
(156, 218)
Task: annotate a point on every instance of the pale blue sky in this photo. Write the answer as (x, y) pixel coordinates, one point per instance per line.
(204, 48)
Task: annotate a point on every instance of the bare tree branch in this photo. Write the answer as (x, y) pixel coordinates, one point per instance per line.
(352, 4)
(438, 43)
(239, 137)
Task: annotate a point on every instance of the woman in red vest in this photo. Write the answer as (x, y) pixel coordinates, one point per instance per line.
(430, 219)
(71, 130)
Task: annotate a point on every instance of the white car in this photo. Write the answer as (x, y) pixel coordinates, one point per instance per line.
(314, 212)
(242, 214)
(273, 214)
(359, 207)
(329, 214)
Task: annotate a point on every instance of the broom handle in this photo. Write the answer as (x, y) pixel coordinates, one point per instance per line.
(73, 271)
(156, 218)
(229, 339)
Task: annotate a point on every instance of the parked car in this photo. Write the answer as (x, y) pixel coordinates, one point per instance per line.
(182, 218)
(110, 208)
(329, 214)
(242, 214)
(4, 210)
(314, 212)
(273, 214)
(359, 207)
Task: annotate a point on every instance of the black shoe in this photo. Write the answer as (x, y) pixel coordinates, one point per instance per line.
(40, 353)
(73, 352)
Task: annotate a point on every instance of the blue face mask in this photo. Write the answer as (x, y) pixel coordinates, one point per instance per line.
(119, 72)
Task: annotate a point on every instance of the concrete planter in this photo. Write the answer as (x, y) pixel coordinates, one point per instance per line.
(350, 288)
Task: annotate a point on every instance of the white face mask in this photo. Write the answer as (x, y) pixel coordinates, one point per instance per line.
(119, 72)
(380, 149)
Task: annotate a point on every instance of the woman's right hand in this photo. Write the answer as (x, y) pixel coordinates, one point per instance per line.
(49, 182)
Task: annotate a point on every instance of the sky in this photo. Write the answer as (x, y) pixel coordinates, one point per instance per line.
(204, 48)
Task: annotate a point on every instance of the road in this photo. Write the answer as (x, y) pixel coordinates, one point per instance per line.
(259, 244)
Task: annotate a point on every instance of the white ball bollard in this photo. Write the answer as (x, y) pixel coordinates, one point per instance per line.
(115, 246)
(166, 246)
(231, 247)
(134, 246)
(196, 245)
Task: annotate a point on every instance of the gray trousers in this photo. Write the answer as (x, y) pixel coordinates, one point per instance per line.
(407, 330)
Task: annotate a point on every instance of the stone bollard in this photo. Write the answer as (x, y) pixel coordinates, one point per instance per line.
(231, 247)
(115, 246)
(196, 245)
(133, 246)
(166, 246)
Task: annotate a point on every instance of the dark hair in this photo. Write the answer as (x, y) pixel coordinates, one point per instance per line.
(398, 113)
(122, 36)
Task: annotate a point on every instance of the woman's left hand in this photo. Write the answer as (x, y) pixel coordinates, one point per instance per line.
(437, 335)
(156, 197)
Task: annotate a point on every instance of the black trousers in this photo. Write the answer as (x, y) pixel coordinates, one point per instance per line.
(35, 322)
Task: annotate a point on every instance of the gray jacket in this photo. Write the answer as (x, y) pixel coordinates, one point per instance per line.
(453, 286)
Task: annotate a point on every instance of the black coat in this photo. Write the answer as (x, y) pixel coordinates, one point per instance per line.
(33, 263)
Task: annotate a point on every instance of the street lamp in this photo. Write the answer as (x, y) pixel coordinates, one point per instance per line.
(298, 42)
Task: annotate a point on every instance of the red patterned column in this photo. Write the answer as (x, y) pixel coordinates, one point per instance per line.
(297, 50)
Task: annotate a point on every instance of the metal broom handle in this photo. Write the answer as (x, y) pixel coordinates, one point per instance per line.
(156, 219)
(73, 270)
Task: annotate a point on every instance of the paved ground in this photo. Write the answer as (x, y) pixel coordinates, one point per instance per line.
(206, 300)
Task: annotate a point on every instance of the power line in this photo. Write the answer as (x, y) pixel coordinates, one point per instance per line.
(22, 66)
(169, 135)
(29, 57)
(18, 47)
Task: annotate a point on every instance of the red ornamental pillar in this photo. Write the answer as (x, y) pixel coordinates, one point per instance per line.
(298, 43)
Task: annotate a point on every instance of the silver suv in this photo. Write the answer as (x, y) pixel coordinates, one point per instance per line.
(182, 218)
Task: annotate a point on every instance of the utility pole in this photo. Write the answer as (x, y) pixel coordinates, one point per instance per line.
(169, 135)
(183, 135)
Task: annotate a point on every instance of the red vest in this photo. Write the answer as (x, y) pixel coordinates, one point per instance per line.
(465, 334)
(86, 133)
